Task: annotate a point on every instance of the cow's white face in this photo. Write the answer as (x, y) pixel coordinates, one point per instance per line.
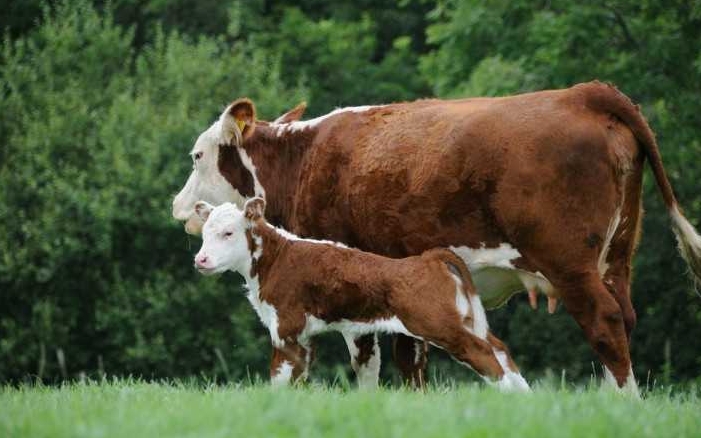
(224, 244)
(206, 182)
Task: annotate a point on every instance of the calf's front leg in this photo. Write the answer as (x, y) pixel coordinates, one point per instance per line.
(290, 364)
(365, 359)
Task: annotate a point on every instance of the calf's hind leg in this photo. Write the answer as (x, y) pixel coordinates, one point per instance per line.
(487, 357)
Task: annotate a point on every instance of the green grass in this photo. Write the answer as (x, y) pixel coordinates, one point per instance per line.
(136, 409)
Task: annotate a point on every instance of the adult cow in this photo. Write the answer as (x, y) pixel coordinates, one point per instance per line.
(535, 191)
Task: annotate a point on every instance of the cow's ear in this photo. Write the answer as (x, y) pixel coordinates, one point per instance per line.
(238, 121)
(254, 209)
(203, 210)
(293, 115)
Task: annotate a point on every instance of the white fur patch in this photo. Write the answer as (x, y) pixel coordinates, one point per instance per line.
(603, 265)
(289, 236)
(495, 276)
(266, 312)
(283, 128)
(500, 257)
(248, 164)
(354, 329)
(630, 386)
(688, 240)
(283, 375)
(502, 359)
(513, 382)
(479, 318)
(461, 302)
(367, 374)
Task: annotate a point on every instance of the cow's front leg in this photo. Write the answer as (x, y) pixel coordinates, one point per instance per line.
(290, 363)
(365, 359)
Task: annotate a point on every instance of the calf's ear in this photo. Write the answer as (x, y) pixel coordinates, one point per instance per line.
(254, 209)
(238, 121)
(203, 210)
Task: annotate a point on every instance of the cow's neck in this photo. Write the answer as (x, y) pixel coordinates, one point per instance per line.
(277, 154)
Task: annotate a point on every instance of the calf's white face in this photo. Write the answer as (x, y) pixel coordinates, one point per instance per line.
(224, 244)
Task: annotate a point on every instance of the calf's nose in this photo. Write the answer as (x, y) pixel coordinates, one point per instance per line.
(201, 261)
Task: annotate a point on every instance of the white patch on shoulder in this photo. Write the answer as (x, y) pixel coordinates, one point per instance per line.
(283, 128)
(603, 265)
(283, 375)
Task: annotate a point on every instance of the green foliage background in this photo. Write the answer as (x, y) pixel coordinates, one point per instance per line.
(101, 101)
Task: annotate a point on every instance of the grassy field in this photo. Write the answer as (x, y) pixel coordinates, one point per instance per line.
(136, 409)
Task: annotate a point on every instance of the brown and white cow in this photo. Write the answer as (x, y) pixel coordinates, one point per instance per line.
(301, 288)
(539, 191)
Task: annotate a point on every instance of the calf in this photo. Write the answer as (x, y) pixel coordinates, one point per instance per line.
(302, 287)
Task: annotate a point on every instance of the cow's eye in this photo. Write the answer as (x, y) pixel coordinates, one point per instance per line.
(198, 155)
(228, 234)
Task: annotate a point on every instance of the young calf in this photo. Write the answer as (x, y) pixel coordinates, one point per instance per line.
(301, 287)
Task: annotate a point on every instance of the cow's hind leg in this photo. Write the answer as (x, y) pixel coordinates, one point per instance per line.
(365, 359)
(625, 238)
(411, 357)
(601, 318)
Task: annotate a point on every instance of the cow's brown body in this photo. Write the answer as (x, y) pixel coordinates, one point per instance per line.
(554, 175)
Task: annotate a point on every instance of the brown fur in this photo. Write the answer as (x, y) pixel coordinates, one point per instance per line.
(300, 279)
(544, 172)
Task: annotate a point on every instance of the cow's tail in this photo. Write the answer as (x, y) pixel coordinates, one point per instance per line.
(605, 97)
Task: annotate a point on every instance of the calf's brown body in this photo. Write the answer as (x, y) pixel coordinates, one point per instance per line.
(314, 284)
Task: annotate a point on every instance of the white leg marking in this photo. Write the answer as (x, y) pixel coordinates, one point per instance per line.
(511, 381)
(367, 374)
(630, 386)
(283, 375)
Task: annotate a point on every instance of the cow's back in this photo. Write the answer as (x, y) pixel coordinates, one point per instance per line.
(403, 178)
